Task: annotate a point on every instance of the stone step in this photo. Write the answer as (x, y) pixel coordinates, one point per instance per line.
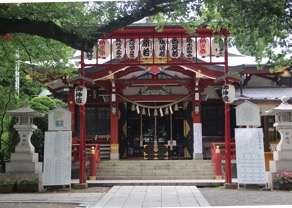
(155, 170)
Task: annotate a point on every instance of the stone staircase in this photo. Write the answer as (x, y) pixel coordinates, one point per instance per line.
(155, 170)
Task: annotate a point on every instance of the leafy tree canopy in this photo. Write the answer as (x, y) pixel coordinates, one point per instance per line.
(257, 26)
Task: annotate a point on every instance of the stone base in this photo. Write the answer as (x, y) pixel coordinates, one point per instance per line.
(114, 156)
(281, 165)
(230, 185)
(81, 185)
(197, 156)
(23, 167)
(282, 155)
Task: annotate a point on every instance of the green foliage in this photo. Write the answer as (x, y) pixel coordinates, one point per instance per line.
(33, 181)
(283, 178)
(7, 181)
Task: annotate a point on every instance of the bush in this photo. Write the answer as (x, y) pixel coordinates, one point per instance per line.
(283, 178)
(28, 181)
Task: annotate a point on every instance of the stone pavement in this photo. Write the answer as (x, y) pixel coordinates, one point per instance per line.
(144, 196)
(152, 196)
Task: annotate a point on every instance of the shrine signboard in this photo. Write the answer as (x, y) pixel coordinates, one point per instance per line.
(57, 158)
(250, 160)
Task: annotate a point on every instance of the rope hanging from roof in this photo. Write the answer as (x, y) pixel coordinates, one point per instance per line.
(154, 107)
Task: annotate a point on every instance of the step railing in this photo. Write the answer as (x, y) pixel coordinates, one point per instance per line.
(92, 155)
(218, 155)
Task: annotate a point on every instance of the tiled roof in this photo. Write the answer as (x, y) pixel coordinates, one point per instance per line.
(263, 93)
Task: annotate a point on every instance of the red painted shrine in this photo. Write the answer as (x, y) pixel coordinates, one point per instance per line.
(157, 95)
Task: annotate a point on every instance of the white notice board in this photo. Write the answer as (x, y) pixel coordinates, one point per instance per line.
(57, 158)
(250, 159)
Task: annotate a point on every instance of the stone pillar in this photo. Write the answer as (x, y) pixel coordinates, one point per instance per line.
(283, 155)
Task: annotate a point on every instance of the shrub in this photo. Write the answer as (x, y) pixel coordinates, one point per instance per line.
(28, 181)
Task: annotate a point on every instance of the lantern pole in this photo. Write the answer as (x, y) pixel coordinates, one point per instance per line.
(82, 169)
(228, 174)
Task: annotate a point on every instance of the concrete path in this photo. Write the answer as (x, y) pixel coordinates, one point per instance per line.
(152, 196)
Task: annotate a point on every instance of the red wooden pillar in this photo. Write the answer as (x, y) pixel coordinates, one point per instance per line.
(114, 112)
(82, 169)
(228, 173)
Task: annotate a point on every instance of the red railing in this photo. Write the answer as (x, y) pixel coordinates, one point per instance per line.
(218, 154)
(92, 155)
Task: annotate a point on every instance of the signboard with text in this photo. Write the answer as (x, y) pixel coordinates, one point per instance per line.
(57, 158)
(250, 159)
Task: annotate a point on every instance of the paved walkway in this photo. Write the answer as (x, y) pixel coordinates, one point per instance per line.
(141, 196)
(152, 196)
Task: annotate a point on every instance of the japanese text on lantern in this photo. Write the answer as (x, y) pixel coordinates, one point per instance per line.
(132, 48)
(118, 46)
(102, 47)
(203, 45)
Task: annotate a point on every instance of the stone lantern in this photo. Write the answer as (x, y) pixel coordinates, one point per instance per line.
(282, 161)
(24, 162)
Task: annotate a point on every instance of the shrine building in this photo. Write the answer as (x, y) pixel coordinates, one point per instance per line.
(158, 95)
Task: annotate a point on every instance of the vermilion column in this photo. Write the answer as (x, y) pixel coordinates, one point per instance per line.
(228, 173)
(82, 169)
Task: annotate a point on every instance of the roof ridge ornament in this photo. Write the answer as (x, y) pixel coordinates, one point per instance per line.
(285, 99)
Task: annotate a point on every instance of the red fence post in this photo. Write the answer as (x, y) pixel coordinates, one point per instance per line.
(218, 164)
(92, 164)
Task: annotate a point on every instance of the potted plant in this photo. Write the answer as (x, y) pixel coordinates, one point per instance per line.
(7, 185)
(283, 181)
(27, 185)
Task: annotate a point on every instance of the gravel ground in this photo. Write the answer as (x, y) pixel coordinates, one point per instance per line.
(215, 196)
(233, 197)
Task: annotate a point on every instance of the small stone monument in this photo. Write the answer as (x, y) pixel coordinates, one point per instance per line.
(283, 155)
(24, 162)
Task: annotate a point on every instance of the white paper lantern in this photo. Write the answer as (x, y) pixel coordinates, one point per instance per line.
(80, 95)
(175, 48)
(216, 50)
(160, 47)
(103, 48)
(204, 47)
(132, 48)
(189, 47)
(146, 48)
(118, 49)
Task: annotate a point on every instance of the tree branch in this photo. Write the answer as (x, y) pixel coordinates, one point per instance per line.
(51, 30)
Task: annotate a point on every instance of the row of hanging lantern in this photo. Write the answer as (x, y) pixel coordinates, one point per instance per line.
(167, 110)
(156, 47)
